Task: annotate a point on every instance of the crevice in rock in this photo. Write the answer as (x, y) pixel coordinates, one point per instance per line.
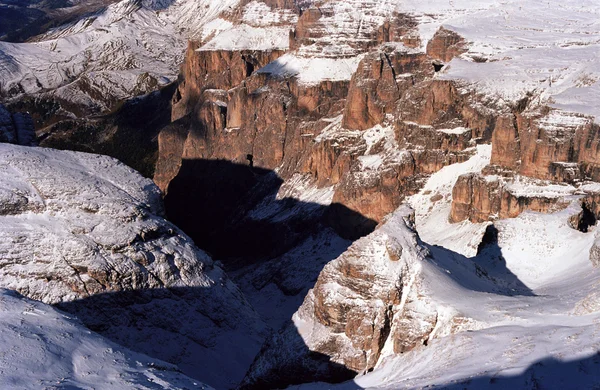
(584, 220)
(249, 67)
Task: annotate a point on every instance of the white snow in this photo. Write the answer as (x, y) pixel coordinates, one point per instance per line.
(432, 217)
(245, 37)
(456, 130)
(214, 27)
(45, 348)
(522, 186)
(260, 14)
(549, 51)
(530, 316)
(312, 70)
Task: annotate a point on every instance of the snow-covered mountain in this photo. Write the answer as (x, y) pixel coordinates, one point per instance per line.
(129, 48)
(86, 233)
(468, 112)
(406, 191)
(520, 313)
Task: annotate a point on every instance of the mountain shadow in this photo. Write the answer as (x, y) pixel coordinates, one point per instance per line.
(274, 246)
(191, 327)
(233, 212)
(486, 272)
(548, 373)
(294, 365)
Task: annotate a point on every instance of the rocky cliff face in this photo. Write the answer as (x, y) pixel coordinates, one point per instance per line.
(215, 70)
(365, 118)
(479, 198)
(248, 122)
(445, 45)
(86, 233)
(270, 118)
(369, 302)
(547, 144)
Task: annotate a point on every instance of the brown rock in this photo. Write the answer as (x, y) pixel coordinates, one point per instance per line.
(400, 28)
(548, 144)
(505, 142)
(445, 45)
(380, 80)
(479, 199)
(215, 69)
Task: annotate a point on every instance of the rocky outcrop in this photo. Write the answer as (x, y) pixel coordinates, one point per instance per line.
(479, 198)
(445, 45)
(276, 122)
(381, 79)
(368, 299)
(595, 254)
(505, 142)
(86, 233)
(215, 69)
(438, 105)
(547, 144)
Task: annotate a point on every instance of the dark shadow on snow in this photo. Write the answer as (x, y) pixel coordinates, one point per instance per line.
(186, 326)
(293, 365)
(231, 210)
(549, 373)
(488, 267)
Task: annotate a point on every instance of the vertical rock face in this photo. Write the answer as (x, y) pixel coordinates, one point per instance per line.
(380, 80)
(277, 122)
(445, 45)
(369, 141)
(215, 69)
(505, 142)
(438, 104)
(479, 198)
(547, 144)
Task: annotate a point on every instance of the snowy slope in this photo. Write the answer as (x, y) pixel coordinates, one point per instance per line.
(549, 50)
(45, 348)
(529, 302)
(129, 48)
(87, 233)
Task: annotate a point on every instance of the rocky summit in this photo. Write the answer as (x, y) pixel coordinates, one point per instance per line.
(331, 194)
